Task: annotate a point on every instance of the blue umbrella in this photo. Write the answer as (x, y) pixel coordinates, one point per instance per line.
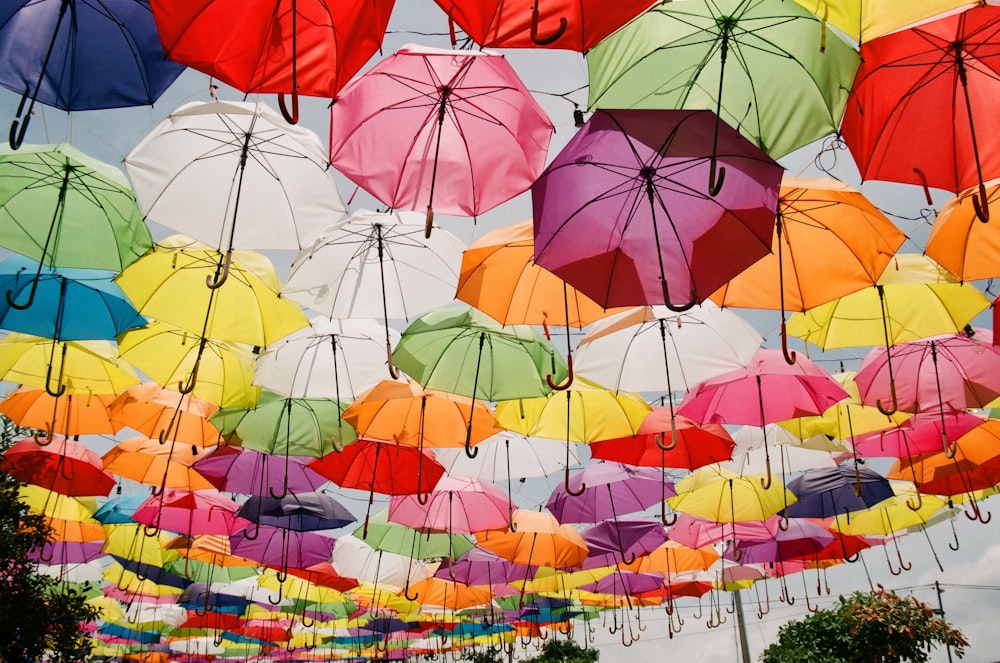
(302, 512)
(119, 509)
(832, 491)
(68, 305)
(81, 55)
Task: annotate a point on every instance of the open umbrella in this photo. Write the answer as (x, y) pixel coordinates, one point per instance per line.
(63, 466)
(460, 124)
(64, 367)
(959, 242)
(725, 55)
(864, 20)
(154, 411)
(602, 491)
(84, 415)
(625, 215)
(455, 505)
(81, 55)
(309, 47)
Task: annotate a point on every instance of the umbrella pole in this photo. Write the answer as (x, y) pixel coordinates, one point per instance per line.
(16, 136)
(339, 444)
(442, 111)
(789, 356)
(888, 357)
(469, 451)
(225, 262)
(380, 244)
(293, 117)
(766, 481)
(618, 531)
(716, 173)
(510, 497)
(56, 221)
(288, 444)
(979, 198)
(949, 448)
(421, 498)
(647, 174)
(670, 395)
(569, 348)
(371, 493)
(583, 486)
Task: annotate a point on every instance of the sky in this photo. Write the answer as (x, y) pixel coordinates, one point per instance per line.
(970, 576)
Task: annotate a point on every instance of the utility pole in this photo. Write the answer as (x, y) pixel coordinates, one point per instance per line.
(742, 627)
(940, 613)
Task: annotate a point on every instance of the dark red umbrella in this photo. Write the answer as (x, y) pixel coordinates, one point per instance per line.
(63, 466)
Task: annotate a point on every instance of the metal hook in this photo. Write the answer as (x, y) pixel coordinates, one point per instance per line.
(281, 589)
(61, 388)
(919, 503)
(552, 38)
(216, 282)
(765, 481)
(284, 491)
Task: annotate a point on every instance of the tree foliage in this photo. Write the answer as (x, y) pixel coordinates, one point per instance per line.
(40, 617)
(866, 627)
(565, 651)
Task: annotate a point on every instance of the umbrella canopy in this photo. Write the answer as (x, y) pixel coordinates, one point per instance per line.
(383, 534)
(190, 513)
(973, 465)
(536, 539)
(576, 25)
(253, 473)
(310, 47)
(507, 456)
(461, 120)
(302, 512)
(960, 242)
(864, 20)
(234, 175)
(826, 492)
(675, 56)
(455, 505)
(380, 467)
(920, 434)
(697, 444)
(615, 542)
(935, 81)
(277, 546)
(152, 410)
(603, 491)
(624, 213)
(160, 465)
(726, 497)
(61, 465)
(69, 59)
(36, 408)
(74, 367)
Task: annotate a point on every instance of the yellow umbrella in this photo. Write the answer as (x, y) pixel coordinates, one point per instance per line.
(893, 514)
(585, 412)
(864, 20)
(548, 579)
(168, 355)
(845, 419)
(209, 548)
(130, 541)
(299, 588)
(72, 367)
(130, 583)
(723, 496)
(54, 505)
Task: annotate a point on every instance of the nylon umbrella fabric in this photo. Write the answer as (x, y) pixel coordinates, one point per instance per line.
(863, 20)
(614, 542)
(384, 534)
(148, 462)
(635, 185)
(697, 444)
(456, 124)
(973, 465)
(60, 465)
(383, 467)
(773, 45)
(254, 473)
(602, 491)
(960, 242)
(302, 512)
(36, 408)
(190, 513)
(150, 409)
(455, 505)
(73, 367)
(725, 497)
(920, 434)
(826, 492)
(537, 539)
(279, 546)
(506, 456)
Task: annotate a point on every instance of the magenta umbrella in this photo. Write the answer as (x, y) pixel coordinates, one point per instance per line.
(605, 490)
(938, 374)
(920, 434)
(695, 532)
(189, 513)
(458, 124)
(251, 472)
(456, 505)
(793, 390)
(803, 538)
(627, 215)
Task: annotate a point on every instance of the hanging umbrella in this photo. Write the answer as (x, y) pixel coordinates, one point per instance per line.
(83, 415)
(63, 466)
(235, 176)
(920, 434)
(829, 241)
(863, 20)
(310, 47)
(169, 354)
(353, 558)
(461, 118)
(615, 542)
(81, 55)
(389, 536)
(892, 514)
(277, 546)
(59, 367)
(677, 56)
(507, 456)
(302, 512)
(159, 465)
(253, 473)
(959, 242)
(576, 25)
(150, 409)
(624, 212)
(536, 539)
(826, 492)
(803, 539)
(338, 359)
(697, 444)
(935, 81)
(189, 513)
(375, 258)
(591, 413)
(455, 505)
(725, 497)
(602, 491)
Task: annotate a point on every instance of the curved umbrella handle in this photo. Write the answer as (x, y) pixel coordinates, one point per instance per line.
(569, 378)
(716, 176)
(545, 41)
(658, 437)
(570, 491)
(470, 450)
(667, 522)
(406, 592)
(955, 536)
(895, 402)
(192, 379)
(851, 559)
(218, 281)
(790, 356)
(293, 117)
(48, 437)
(923, 183)
(16, 136)
(31, 296)
(919, 503)
(284, 490)
(784, 522)
(981, 205)
(678, 308)
(888, 561)
(765, 481)
(950, 448)
(281, 589)
(60, 388)
(151, 531)
(393, 371)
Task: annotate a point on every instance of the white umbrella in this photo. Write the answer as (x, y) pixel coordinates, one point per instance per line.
(749, 456)
(508, 456)
(337, 359)
(235, 175)
(353, 558)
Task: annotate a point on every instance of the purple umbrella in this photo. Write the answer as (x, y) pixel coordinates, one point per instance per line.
(282, 548)
(626, 583)
(627, 215)
(609, 489)
(250, 472)
(67, 552)
(619, 541)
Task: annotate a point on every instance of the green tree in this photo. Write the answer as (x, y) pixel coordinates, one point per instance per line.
(40, 617)
(866, 627)
(564, 651)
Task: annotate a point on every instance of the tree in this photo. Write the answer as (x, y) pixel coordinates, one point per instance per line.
(40, 617)
(565, 651)
(866, 627)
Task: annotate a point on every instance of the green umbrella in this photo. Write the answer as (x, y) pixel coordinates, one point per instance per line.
(289, 426)
(64, 209)
(786, 80)
(402, 540)
(463, 351)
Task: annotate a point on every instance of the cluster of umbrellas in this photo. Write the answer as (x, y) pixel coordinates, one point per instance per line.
(245, 407)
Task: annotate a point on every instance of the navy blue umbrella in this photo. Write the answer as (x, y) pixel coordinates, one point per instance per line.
(832, 491)
(302, 512)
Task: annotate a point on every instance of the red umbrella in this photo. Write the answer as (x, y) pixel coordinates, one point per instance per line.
(310, 47)
(61, 465)
(922, 108)
(697, 444)
(576, 25)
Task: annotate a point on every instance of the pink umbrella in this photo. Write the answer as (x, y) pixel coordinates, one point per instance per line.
(919, 434)
(695, 532)
(427, 116)
(793, 390)
(456, 505)
(190, 513)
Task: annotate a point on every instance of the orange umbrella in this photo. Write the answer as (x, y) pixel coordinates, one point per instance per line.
(210, 548)
(829, 241)
(449, 594)
(672, 557)
(961, 243)
(536, 539)
(147, 461)
(70, 415)
(161, 413)
(75, 530)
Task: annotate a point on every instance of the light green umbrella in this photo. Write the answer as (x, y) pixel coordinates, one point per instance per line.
(402, 540)
(288, 426)
(786, 76)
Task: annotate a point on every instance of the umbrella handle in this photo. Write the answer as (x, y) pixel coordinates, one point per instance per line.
(784, 522)
(293, 117)
(790, 356)
(428, 222)
(281, 588)
(569, 379)
(716, 176)
(470, 451)
(393, 371)
(214, 283)
(31, 296)
(950, 448)
(189, 387)
(16, 136)
(48, 437)
(284, 491)
(658, 438)
(678, 308)
(980, 204)
(895, 402)
(955, 536)
(150, 531)
(545, 41)
(570, 491)
(923, 182)
(406, 593)
(765, 481)
(667, 522)
(217, 640)
(60, 388)
(919, 503)
(851, 559)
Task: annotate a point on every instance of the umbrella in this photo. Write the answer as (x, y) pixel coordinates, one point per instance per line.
(697, 444)
(254, 473)
(234, 175)
(536, 539)
(571, 24)
(615, 542)
(282, 547)
(298, 47)
(935, 81)
(337, 359)
(302, 512)
(64, 304)
(456, 504)
(829, 241)
(920, 434)
(675, 56)
(63, 466)
(826, 492)
(168, 355)
(383, 534)
(461, 118)
(374, 258)
(624, 212)
(959, 242)
(36, 408)
(159, 465)
(59, 367)
(863, 20)
(353, 558)
(189, 513)
(154, 411)
(602, 491)
(793, 390)
(96, 55)
(507, 456)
